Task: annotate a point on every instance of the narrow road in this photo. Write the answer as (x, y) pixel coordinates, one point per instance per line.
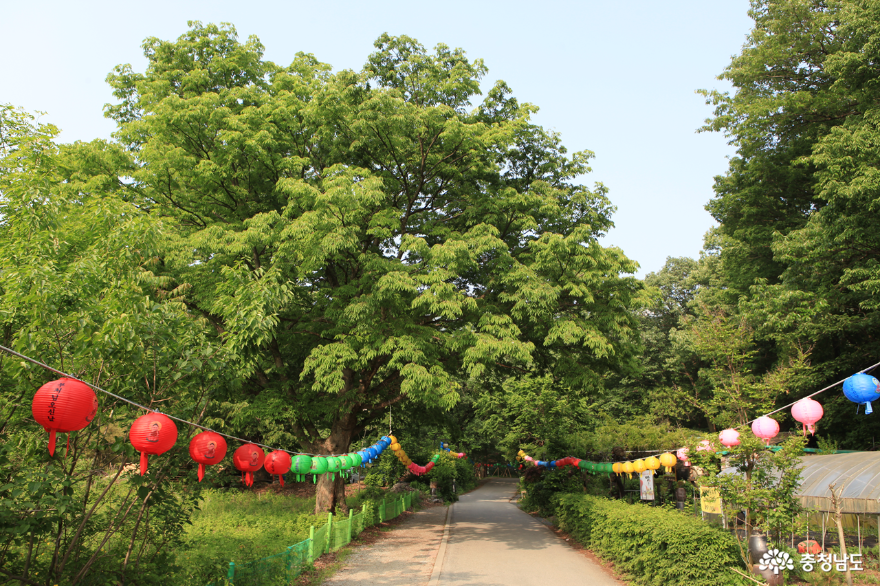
(492, 542)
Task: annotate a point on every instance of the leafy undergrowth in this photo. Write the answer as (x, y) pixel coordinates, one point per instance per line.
(244, 526)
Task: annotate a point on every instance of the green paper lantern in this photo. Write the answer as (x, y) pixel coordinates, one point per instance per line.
(333, 464)
(345, 462)
(355, 459)
(300, 465)
(319, 466)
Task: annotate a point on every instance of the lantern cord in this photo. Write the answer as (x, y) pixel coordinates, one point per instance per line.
(130, 402)
(831, 386)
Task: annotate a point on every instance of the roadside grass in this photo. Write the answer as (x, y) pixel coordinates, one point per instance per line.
(243, 526)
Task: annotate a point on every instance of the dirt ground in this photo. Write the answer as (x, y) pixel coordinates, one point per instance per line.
(402, 557)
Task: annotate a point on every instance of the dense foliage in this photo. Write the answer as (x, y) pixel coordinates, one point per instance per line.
(652, 545)
(290, 254)
(361, 238)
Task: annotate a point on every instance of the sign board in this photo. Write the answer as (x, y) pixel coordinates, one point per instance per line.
(646, 485)
(710, 500)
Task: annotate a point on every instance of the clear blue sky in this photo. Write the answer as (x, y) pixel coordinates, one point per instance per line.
(617, 78)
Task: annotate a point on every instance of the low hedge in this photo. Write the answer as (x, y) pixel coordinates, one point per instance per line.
(655, 546)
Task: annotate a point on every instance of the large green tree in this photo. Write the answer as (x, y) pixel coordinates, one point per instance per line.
(358, 238)
(797, 207)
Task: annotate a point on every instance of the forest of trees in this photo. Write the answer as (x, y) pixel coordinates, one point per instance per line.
(296, 256)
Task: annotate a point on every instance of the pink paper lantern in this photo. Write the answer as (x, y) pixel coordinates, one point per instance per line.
(682, 455)
(705, 446)
(765, 428)
(729, 438)
(808, 412)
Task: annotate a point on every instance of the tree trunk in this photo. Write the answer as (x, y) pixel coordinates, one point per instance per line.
(330, 495)
(838, 519)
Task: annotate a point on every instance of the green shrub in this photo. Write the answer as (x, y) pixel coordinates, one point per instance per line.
(539, 494)
(655, 546)
(452, 469)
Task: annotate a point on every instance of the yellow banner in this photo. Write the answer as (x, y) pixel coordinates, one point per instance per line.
(710, 500)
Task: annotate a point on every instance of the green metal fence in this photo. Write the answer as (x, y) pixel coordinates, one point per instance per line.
(282, 568)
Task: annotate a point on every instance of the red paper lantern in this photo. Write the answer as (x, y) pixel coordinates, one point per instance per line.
(152, 434)
(207, 448)
(278, 462)
(430, 465)
(248, 458)
(809, 546)
(64, 405)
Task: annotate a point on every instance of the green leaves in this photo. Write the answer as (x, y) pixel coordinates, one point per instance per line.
(652, 545)
(358, 237)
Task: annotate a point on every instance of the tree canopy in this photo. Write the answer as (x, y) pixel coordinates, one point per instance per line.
(357, 238)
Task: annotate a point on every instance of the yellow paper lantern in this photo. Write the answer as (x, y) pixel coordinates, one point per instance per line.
(668, 461)
(652, 463)
(628, 469)
(639, 466)
(616, 468)
(393, 439)
(394, 447)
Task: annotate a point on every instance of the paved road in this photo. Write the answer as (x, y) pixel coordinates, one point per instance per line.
(492, 542)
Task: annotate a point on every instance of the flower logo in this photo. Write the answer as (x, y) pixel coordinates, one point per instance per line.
(776, 560)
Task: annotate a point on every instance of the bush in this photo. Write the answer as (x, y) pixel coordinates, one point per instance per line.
(541, 485)
(655, 546)
(452, 469)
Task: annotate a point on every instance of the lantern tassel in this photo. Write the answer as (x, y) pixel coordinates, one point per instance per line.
(281, 478)
(144, 463)
(51, 442)
(250, 479)
(868, 409)
(201, 472)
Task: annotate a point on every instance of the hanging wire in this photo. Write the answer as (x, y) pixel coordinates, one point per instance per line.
(130, 402)
(829, 387)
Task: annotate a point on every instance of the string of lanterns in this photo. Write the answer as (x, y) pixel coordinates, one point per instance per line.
(412, 466)
(859, 388)
(67, 405)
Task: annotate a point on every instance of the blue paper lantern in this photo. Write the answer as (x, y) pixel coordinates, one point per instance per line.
(862, 388)
(552, 464)
(365, 457)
